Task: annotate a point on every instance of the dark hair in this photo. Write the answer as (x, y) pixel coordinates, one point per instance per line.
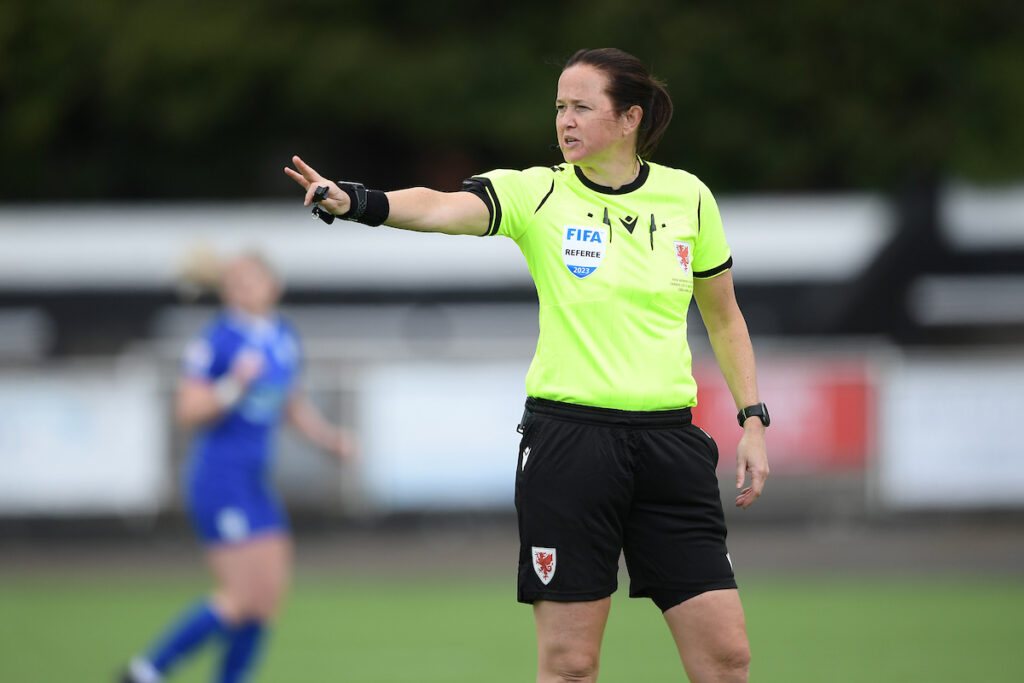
(629, 83)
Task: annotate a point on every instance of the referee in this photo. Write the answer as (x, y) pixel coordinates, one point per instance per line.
(610, 460)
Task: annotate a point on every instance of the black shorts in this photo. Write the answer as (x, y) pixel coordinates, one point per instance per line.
(592, 482)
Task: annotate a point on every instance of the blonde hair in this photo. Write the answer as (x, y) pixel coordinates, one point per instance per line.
(201, 269)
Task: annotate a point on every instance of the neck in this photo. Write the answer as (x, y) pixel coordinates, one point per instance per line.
(612, 173)
(251, 317)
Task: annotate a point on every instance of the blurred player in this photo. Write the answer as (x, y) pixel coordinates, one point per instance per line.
(240, 379)
(610, 460)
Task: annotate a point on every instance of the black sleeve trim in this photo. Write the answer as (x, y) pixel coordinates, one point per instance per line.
(546, 196)
(714, 271)
(482, 188)
(699, 197)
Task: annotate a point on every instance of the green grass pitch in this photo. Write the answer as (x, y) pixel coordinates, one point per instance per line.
(59, 627)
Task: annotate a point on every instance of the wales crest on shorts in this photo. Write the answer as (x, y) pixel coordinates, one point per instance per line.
(544, 563)
(583, 249)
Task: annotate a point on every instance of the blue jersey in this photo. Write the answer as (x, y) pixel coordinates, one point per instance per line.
(244, 435)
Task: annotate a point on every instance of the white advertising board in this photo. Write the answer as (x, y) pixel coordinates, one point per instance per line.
(950, 434)
(81, 441)
(441, 435)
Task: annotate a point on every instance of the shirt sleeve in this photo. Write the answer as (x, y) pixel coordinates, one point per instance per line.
(711, 255)
(204, 359)
(512, 197)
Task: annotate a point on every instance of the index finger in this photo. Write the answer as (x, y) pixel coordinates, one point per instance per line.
(297, 177)
(307, 171)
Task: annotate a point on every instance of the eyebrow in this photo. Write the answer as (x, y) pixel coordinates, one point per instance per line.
(559, 100)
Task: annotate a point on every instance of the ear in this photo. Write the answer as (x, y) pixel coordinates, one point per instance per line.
(631, 119)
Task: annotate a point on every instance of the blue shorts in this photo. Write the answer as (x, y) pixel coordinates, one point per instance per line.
(231, 504)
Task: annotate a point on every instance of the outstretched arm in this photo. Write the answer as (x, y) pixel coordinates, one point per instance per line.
(418, 208)
(730, 340)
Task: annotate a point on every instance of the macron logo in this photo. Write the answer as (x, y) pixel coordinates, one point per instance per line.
(526, 454)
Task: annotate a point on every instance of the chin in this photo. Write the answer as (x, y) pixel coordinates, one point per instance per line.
(573, 156)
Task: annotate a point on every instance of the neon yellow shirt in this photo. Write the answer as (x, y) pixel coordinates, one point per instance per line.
(614, 274)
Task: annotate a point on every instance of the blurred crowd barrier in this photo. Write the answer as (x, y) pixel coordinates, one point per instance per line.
(887, 333)
(893, 430)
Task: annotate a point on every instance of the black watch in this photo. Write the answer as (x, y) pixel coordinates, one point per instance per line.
(759, 410)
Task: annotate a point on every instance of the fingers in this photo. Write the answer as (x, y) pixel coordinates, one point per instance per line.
(752, 457)
(305, 176)
(748, 495)
(758, 477)
(336, 202)
(744, 499)
(297, 177)
(305, 169)
(310, 191)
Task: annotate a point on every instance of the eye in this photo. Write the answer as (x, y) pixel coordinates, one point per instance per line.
(559, 107)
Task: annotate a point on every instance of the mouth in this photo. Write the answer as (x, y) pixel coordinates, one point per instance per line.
(569, 142)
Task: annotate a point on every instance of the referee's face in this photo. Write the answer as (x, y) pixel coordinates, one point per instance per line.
(588, 128)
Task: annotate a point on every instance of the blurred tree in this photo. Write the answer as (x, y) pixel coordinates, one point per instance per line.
(116, 99)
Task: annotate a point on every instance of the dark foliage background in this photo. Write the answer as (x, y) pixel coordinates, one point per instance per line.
(197, 98)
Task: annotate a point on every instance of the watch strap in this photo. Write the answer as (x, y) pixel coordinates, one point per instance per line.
(758, 410)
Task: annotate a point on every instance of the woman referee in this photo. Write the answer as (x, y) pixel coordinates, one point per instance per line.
(610, 460)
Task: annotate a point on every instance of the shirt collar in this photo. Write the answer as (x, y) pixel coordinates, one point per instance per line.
(255, 327)
(641, 178)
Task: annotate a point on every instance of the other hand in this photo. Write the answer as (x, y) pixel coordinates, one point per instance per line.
(751, 456)
(247, 366)
(344, 446)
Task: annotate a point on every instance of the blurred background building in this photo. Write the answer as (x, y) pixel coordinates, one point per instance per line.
(868, 166)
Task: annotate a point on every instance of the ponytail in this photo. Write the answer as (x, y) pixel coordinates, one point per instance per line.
(655, 120)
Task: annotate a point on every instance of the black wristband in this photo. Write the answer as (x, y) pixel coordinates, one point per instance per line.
(758, 410)
(369, 207)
